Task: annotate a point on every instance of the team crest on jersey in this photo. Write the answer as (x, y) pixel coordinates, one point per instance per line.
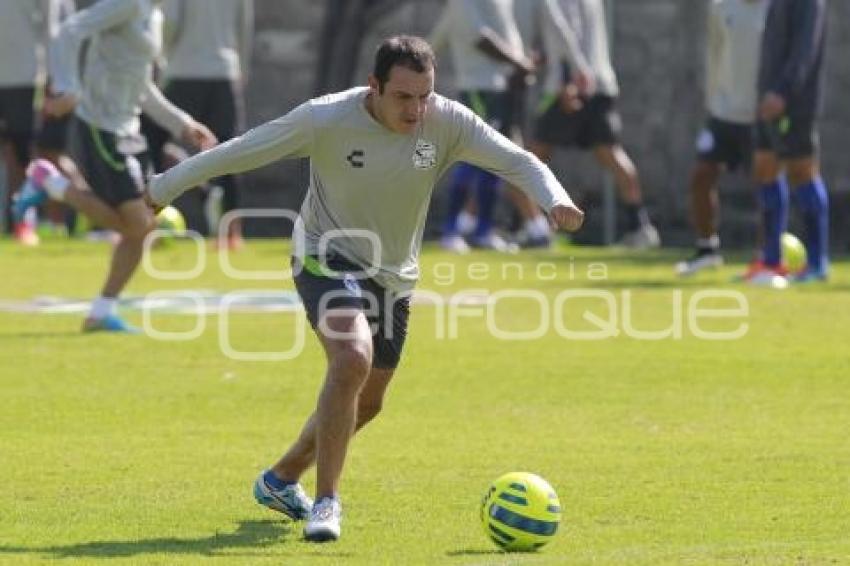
(425, 155)
(350, 282)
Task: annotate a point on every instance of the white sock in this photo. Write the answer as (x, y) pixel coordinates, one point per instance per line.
(541, 227)
(466, 223)
(712, 242)
(31, 217)
(56, 186)
(102, 307)
(531, 228)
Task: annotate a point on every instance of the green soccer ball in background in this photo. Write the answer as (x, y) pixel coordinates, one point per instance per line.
(794, 252)
(520, 512)
(171, 221)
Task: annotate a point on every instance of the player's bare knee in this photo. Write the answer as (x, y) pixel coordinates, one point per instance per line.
(352, 358)
(704, 177)
(368, 409)
(766, 168)
(801, 172)
(140, 228)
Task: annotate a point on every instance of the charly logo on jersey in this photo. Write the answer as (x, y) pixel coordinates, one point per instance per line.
(424, 155)
(357, 158)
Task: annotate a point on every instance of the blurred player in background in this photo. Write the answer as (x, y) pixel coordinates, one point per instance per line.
(568, 117)
(51, 135)
(487, 53)
(547, 36)
(726, 141)
(790, 88)
(123, 37)
(23, 35)
(207, 52)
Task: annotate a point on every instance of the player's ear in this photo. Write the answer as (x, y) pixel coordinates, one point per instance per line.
(373, 84)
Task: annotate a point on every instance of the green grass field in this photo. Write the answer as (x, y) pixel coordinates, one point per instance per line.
(130, 450)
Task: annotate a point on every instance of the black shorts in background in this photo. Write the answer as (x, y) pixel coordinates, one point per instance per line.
(597, 123)
(342, 285)
(216, 103)
(109, 165)
(16, 113)
(494, 107)
(727, 143)
(17, 119)
(52, 134)
(790, 137)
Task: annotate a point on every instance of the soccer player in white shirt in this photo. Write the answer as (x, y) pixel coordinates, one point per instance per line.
(376, 153)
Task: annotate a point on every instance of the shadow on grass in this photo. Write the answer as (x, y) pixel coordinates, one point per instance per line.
(249, 534)
(475, 552)
(40, 335)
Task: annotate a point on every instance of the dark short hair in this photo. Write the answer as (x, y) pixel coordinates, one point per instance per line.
(404, 50)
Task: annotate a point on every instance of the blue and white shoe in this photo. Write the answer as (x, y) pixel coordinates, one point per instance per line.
(290, 500)
(28, 196)
(324, 524)
(110, 323)
(810, 276)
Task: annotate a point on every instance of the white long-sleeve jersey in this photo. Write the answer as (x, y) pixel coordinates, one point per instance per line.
(366, 179)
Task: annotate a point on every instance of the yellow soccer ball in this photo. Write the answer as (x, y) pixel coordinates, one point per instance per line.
(794, 252)
(171, 221)
(520, 512)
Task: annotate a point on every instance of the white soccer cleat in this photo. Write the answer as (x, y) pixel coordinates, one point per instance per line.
(495, 243)
(768, 278)
(291, 500)
(455, 244)
(642, 238)
(700, 262)
(325, 519)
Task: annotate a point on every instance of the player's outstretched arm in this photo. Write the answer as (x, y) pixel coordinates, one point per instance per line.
(288, 136)
(479, 144)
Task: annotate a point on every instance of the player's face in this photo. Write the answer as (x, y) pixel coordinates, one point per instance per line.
(402, 105)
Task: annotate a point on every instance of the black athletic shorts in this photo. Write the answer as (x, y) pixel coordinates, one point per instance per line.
(52, 134)
(790, 137)
(596, 123)
(726, 142)
(16, 119)
(216, 103)
(342, 284)
(109, 164)
(494, 107)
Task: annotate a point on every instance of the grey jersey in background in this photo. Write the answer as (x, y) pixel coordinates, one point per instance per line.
(365, 177)
(460, 28)
(587, 19)
(208, 39)
(23, 36)
(732, 58)
(124, 37)
(542, 23)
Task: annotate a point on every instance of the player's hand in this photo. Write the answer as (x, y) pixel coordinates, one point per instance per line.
(584, 83)
(772, 106)
(527, 66)
(198, 136)
(570, 99)
(146, 196)
(60, 105)
(567, 216)
(519, 81)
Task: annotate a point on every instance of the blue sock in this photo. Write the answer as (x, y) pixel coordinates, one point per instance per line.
(814, 204)
(463, 176)
(487, 194)
(774, 204)
(275, 482)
